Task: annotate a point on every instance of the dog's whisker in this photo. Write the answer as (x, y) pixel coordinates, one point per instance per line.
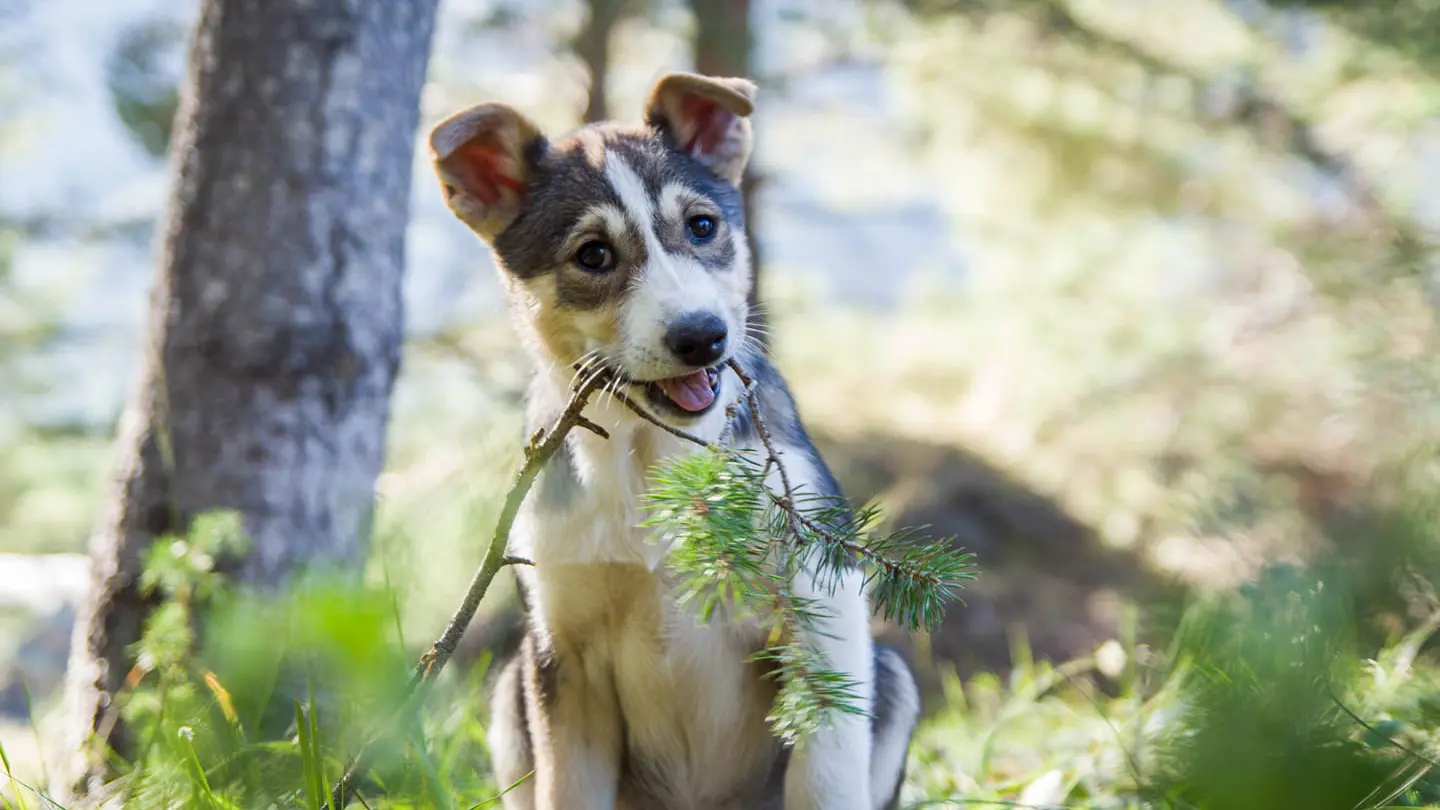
(620, 382)
(593, 376)
(600, 369)
(613, 387)
(583, 372)
(601, 394)
(582, 363)
(583, 359)
(579, 366)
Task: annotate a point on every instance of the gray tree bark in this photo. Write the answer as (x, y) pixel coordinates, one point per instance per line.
(276, 314)
(592, 45)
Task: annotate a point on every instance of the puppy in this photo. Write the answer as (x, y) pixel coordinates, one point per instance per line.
(623, 248)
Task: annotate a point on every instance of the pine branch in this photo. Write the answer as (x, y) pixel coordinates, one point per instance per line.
(810, 692)
(735, 540)
(911, 587)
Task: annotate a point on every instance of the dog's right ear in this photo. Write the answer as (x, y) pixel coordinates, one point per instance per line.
(483, 157)
(706, 117)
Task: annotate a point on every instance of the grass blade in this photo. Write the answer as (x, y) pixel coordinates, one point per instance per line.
(498, 796)
(314, 790)
(10, 777)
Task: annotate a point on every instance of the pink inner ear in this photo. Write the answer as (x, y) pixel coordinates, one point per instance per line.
(710, 121)
(479, 165)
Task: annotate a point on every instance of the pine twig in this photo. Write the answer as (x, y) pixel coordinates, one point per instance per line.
(752, 400)
(540, 448)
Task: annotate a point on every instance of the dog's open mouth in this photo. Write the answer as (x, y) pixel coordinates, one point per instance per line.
(692, 393)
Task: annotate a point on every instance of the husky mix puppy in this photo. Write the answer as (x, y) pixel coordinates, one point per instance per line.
(623, 247)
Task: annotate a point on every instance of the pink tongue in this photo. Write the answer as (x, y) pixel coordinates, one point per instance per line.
(691, 392)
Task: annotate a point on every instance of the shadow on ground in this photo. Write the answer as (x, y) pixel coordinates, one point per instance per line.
(1046, 581)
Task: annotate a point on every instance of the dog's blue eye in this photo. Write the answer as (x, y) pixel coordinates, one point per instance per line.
(701, 228)
(595, 256)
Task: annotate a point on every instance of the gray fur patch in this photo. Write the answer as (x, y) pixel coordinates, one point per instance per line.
(887, 673)
(782, 417)
(559, 483)
(659, 165)
(887, 710)
(562, 187)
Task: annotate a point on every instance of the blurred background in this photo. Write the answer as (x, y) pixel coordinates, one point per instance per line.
(1135, 298)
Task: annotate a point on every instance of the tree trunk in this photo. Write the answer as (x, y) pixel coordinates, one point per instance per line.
(276, 316)
(723, 44)
(592, 45)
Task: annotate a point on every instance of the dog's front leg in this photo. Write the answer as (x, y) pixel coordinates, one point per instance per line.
(830, 770)
(578, 744)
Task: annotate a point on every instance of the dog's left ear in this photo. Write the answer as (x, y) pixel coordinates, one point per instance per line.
(706, 117)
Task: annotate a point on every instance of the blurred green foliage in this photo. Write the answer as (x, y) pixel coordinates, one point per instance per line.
(1261, 719)
(273, 694)
(142, 75)
(1200, 309)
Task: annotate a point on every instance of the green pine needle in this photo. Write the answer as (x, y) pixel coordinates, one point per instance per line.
(734, 548)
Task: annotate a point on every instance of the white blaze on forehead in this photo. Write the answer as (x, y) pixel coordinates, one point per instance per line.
(633, 199)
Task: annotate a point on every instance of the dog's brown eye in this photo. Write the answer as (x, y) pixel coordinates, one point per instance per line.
(595, 256)
(701, 228)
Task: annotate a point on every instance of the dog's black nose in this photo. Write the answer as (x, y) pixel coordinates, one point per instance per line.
(697, 338)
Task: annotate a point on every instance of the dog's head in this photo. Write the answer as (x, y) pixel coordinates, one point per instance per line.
(619, 245)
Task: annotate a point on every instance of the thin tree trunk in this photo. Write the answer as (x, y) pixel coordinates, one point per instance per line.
(276, 314)
(723, 45)
(592, 45)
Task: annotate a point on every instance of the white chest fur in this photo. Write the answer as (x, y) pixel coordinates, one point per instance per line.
(596, 517)
(694, 709)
